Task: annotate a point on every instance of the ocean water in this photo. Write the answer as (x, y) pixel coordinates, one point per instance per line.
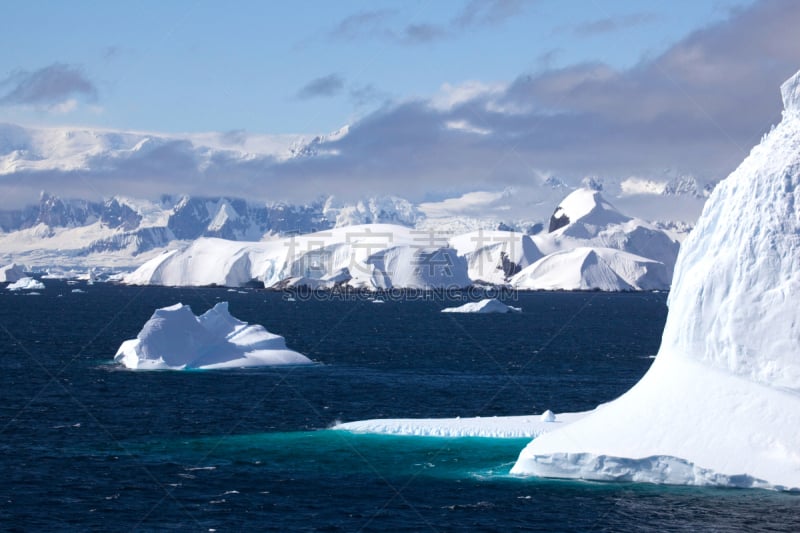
(85, 445)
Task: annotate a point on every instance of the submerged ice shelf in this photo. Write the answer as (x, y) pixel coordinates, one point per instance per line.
(502, 427)
(175, 339)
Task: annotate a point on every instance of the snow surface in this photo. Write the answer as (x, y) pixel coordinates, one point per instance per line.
(721, 403)
(175, 339)
(11, 273)
(484, 251)
(506, 427)
(600, 249)
(373, 256)
(26, 284)
(587, 268)
(488, 305)
(587, 207)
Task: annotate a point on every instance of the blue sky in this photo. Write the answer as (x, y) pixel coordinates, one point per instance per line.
(442, 98)
(189, 66)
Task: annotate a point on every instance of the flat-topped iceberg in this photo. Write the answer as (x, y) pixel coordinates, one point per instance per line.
(497, 427)
(26, 284)
(175, 339)
(487, 305)
(721, 403)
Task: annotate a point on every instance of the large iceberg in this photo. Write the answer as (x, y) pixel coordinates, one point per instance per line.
(721, 403)
(175, 339)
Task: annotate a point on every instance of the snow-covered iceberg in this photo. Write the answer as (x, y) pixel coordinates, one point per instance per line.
(26, 284)
(11, 273)
(175, 339)
(721, 403)
(487, 305)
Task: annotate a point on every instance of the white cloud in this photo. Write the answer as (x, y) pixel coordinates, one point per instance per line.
(61, 108)
(473, 202)
(634, 185)
(466, 127)
(450, 96)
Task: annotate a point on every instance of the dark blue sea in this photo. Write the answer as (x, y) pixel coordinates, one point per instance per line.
(87, 446)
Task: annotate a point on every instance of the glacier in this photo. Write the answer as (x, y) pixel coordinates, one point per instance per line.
(721, 403)
(375, 256)
(594, 248)
(175, 339)
(587, 268)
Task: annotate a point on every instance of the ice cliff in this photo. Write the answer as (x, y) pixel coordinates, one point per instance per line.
(721, 403)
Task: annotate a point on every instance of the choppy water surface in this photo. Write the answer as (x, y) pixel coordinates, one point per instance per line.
(86, 445)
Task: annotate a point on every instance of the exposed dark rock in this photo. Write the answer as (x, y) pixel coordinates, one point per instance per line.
(558, 220)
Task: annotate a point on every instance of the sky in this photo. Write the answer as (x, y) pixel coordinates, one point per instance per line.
(441, 97)
(304, 67)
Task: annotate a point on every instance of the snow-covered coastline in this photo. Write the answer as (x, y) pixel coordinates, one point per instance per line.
(592, 246)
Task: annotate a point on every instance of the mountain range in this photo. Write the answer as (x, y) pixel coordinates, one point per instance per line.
(590, 245)
(123, 231)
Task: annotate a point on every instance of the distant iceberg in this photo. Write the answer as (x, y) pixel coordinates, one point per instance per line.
(175, 339)
(26, 284)
(721, 403)
(11, 273)
(488, 305)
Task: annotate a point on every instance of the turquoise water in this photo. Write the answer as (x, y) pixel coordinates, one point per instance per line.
(333, 452)
(86, 446)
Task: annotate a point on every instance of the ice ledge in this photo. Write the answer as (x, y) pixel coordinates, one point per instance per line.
(658, 469)
(790, 92)
(497, 427)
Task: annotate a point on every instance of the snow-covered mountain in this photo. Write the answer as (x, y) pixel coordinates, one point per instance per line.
(123, 232)
(591, 246)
